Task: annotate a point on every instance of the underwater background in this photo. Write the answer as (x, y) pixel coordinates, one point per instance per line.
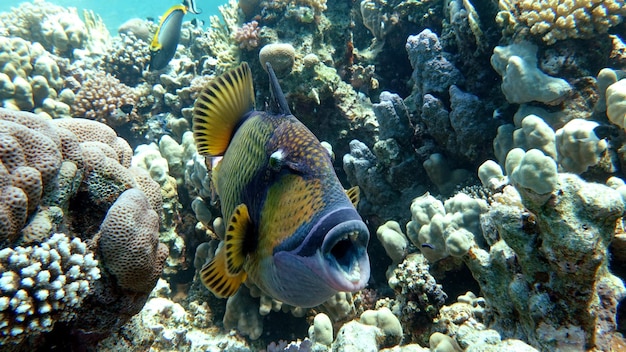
(487, 139)
(116, 12)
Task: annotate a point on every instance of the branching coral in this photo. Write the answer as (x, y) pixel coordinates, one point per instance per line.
(41, 285)
(105, 99)
(127, 58)
(555, 20)
(218, 38)
(248, 35)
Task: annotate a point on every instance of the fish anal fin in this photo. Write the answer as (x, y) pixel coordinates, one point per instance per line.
(239, 236)
(217, 280)
(354, 194)
(220, 107)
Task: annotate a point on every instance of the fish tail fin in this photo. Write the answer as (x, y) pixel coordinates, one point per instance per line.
(216, 278)
(220, 107)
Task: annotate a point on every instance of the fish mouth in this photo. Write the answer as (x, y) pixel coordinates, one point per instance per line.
(344, 250)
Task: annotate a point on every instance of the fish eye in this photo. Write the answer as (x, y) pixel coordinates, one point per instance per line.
(276, 160)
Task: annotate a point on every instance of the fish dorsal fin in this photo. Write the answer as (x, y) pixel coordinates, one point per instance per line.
(278, 104)
(215, 277)
(240, 239)
(220, 107)
(354, 194)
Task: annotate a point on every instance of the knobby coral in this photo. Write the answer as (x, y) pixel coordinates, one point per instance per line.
(105, 99)
(555, 20)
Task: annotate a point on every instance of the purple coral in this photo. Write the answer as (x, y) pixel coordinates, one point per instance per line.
(248, 35)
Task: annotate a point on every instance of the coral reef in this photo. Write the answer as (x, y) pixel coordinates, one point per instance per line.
(247, 35)
(127, 58)
(560, 20)
(63, 173)
(42, 285)
(104, 98)
(128, 242)
(100, 178)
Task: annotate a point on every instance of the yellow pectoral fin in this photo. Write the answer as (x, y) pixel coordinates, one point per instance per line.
(239, 233)
(217, 280)
(354, 194)
(220, 106)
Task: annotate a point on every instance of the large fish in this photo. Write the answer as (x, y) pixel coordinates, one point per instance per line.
(292, 230)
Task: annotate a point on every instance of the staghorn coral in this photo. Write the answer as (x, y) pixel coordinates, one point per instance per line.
(104, 98)
(42, 285)
(555, 20)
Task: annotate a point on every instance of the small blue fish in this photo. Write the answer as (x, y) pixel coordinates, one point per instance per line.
(428, 245)
(292, 230)
(165, 41)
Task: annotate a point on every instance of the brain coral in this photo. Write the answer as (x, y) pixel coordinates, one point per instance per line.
(554, 20)
(45, 164)
(30, 159)
(104, 98)
(129, 242)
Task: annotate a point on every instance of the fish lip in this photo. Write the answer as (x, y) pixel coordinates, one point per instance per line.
(344, 249)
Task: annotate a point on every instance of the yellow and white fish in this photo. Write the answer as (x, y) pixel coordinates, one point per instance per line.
(292, 230)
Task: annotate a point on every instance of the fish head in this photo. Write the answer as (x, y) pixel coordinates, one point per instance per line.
(332, 258)
(318, 240)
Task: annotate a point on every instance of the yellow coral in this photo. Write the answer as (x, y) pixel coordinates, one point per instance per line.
(555, 20)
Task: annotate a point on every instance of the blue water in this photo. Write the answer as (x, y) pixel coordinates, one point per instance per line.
(116, 12)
